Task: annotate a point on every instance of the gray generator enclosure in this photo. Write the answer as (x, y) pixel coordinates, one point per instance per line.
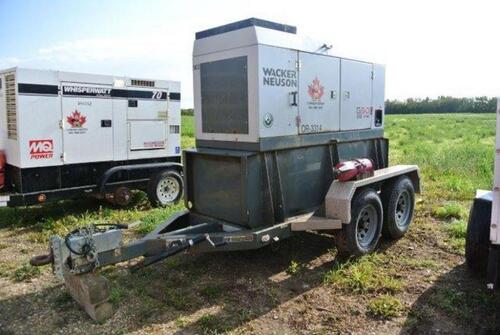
(271, 121)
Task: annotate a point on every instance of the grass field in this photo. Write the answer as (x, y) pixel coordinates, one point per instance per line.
(415, 285)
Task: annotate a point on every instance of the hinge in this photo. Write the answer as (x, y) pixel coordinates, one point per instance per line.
(61, 124)
(63, 157)
(372, 75)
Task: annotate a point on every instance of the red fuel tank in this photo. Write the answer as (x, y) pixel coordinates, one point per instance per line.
(2, 169)
(354, 169)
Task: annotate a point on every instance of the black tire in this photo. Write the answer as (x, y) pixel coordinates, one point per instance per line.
(477, 240)
(168, 180)
(352, 240)
(398, 198)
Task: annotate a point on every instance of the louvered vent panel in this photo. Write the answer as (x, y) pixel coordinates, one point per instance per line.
(10, 97)
(142, 83)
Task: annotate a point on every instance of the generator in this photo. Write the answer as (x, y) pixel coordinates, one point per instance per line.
(272, 119)
(287, 140)
(257, 89)
(64, 134)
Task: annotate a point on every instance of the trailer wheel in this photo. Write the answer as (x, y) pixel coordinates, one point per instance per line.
(165, 188)
(399, 203)
(477, 239)
(362, 234)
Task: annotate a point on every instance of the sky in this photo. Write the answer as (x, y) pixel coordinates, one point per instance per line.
(430, 48)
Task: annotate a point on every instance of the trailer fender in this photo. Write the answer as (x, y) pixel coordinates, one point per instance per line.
(109, 173)
(339, 196)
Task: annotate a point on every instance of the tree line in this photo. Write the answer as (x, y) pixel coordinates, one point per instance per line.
(441, 105)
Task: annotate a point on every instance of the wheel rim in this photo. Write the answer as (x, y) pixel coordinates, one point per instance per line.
(168, 190)
(403, 209)
(367, 225)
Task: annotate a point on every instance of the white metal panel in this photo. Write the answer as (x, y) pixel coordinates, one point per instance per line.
(278, 79)
(120, 129)
(495, 213)
(319, 84)
(39, 136)
(85, 138)
(356, 95)
(149, 109)
(33, 76)
(252, 75)
(148, 135)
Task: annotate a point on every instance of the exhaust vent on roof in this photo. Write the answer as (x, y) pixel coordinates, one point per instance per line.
(10, 99)
(142, 83)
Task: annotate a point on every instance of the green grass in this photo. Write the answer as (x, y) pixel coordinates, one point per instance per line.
(212, 291)
(385, 306)
(449, 211)
(367, 274)
(187, 132)
(454, 151)
(26, 272)
(459, 303)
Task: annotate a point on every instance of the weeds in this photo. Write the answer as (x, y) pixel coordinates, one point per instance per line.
(177, 299)
(26, 272)
(294, 268)
(367, 274)
(117, 294)
(385, 306)
(211, 291)
(181, 321)
(449, 211)
(211, 324)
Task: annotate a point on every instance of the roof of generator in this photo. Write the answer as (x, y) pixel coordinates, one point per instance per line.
(244, 24)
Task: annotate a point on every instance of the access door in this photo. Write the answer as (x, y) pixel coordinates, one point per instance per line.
(356, 100)
(87, 123)
(319, 81)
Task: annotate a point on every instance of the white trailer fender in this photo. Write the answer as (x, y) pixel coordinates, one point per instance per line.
(339, 197)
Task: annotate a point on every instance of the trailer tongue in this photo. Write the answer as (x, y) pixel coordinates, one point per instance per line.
(272, 122)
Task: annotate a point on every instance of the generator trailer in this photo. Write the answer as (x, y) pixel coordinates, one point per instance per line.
(287, 140)
(65, 134)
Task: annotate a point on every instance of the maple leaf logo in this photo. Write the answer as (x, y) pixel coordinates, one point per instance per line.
(315, 90)
(76, 119)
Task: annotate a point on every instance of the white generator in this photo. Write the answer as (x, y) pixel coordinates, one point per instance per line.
(61, 132)
(254, 83)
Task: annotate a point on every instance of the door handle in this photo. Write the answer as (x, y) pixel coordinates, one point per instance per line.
(293, 96)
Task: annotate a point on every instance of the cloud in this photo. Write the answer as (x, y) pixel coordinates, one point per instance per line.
(148, 56)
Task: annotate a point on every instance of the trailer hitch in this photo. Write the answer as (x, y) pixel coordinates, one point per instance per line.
(88, 248)
(42, 259)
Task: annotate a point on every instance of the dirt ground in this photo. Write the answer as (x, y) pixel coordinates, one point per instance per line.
(284, 289)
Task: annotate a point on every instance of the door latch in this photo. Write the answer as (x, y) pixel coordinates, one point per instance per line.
(293, 98)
